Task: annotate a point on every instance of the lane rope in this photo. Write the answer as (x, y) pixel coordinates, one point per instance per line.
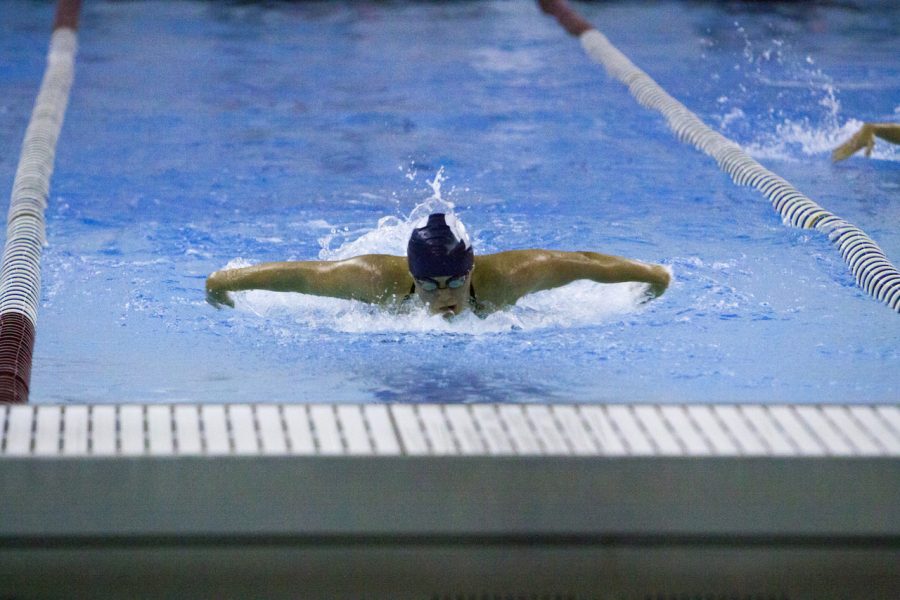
(20, 273)
(868, 263)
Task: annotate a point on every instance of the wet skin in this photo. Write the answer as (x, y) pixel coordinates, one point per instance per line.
(445, 300)
(865, 138)
(500, 279)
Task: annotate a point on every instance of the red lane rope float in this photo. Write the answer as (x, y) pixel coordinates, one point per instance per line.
(873, 272)
(67, 15)
(16, 346)
(20, 273)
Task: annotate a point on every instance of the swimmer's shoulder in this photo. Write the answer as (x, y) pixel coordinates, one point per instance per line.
(508, 261)
(393, 273)
(496, 277)
(383, 262)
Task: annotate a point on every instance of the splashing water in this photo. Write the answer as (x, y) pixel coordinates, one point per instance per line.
(803, 135)
(578, 304)
(391, 233)
(772, 66)
(793, 136)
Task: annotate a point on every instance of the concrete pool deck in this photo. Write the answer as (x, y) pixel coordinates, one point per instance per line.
(451, 501)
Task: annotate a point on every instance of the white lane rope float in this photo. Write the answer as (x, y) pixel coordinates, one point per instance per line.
(868, 263)
(20, 273)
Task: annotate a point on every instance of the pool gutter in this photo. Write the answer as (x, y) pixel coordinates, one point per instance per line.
(393, 501)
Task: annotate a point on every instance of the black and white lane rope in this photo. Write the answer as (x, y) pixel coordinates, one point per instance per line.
(20, 273)
(868, 263)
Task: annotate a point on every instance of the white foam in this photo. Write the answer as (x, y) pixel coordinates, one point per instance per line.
(736, 114)
(391, 233)
(793, 137)
(582, 303)
(578, 304)
(778, 76)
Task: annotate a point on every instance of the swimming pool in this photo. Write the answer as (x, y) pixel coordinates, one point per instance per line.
(202, 134)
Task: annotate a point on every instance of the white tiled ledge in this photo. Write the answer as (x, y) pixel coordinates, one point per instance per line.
(125, 430)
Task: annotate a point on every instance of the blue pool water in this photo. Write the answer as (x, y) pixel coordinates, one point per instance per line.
(201, 134)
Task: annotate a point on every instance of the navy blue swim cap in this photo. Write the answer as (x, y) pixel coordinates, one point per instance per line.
(439, 247)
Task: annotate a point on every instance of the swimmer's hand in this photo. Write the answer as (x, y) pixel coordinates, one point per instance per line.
(219, 298)
(864, 138)
(216, 294)
(658, 284)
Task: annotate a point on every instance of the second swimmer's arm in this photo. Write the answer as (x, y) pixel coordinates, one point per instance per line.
(369, 278)
(865, 138)
(887, 131)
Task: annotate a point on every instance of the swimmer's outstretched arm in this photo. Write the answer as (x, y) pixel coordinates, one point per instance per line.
(865, 138)
(505, 277)
(374, 278)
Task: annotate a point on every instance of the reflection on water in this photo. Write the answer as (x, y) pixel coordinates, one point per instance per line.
(453, 384)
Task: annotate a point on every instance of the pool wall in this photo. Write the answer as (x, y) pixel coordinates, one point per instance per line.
(617, 501)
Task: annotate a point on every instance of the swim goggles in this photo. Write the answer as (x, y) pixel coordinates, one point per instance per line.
(454, 283)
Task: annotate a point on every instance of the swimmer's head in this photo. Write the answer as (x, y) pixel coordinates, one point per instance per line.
(439, 246)
(440, 259)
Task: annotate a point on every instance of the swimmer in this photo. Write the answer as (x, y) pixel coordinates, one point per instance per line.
(865, 138)
(441, 269)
